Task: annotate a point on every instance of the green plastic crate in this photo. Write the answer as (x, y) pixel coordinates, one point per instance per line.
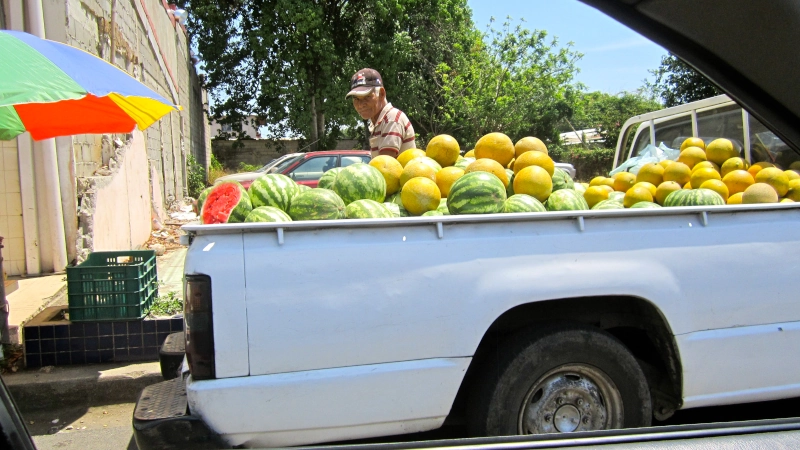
(112, 286)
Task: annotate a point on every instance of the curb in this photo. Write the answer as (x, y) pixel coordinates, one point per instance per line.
(85, 385)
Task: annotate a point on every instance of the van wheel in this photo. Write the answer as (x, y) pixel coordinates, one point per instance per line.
(559, 380)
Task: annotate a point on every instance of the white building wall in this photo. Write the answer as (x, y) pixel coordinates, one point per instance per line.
(11, 210)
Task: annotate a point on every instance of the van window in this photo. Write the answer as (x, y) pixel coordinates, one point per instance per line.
(722, 122)
(671, 132)
(765, 146)
(641, 141)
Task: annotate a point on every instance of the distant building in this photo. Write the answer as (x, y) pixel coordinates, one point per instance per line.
(589, 135)
(229, 131)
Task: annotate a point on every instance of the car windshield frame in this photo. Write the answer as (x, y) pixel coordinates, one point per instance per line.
(283, 165)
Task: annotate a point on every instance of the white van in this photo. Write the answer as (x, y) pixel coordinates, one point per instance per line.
(709, 119)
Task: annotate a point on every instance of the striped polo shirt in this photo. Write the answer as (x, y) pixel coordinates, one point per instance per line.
(393, 131)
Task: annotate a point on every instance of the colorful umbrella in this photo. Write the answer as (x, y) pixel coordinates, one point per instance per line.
(51, 89)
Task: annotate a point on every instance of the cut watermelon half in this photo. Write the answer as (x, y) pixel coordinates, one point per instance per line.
(227, 202)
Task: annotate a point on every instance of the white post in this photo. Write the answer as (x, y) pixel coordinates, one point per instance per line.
(30, 221)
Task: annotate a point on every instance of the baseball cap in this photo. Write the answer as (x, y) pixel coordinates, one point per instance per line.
(363, 82)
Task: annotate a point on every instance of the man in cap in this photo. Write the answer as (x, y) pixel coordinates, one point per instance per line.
(390, 130)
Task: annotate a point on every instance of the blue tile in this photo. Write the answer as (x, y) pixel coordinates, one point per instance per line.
(120, 353)
(151, 352)
(105, 329)
(136, 351)
(62, 359)
(48, 359)
(32, 347)
(76, 330)
(46, 332)
(162, 325)
(92, 357)
(120, 341)
(61, 331)
(176, 325)
(90, 329)
(134, 340)
(76, 345)
(161, 338)
(149, 340)
(149, 326)
(78, 357)
(62, 345)
(91, 343)
(135, 327)
(106, 356)
(120, 328)
(33, 361)
(105, 343)
(31, 332)
(47, 346)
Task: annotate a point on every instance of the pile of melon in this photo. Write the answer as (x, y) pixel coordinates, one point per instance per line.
(497, 176)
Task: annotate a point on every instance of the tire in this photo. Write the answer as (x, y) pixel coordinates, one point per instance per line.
(569, 377)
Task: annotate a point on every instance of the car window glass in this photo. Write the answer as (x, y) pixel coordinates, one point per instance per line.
(671, 131)
(280, 167)
(641, 141)
(723, 122)
(348, 160)
(765, 146)
(313, 168)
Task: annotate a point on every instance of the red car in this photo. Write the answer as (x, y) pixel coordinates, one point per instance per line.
(307, 168)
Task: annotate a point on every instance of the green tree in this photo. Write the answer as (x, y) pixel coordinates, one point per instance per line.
(607, 113)
(289, 62)
(678, 83)
(514, 81)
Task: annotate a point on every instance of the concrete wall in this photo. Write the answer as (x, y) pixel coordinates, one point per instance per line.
(11, 210)
(261, 151)
(115, 209)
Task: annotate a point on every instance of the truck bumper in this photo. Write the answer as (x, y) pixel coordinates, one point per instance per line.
(161, 420)
(171, 355)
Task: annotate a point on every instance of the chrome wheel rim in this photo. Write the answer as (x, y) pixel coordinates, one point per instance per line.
(572, 397)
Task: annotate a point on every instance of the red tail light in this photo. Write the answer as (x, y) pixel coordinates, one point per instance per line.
(199, 327)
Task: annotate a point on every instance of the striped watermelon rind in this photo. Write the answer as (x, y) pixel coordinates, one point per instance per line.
(267, 214)
(645, 205)
(317, 204)
(608, 204)
(327, 180)
(694, 197)
(562, 180)
(617, 196)
(434, 212)
(393, 208)
(566, 200)
(366, 209)
(519, 203)
(476, 193)
(360, 182)
(273, 189)
(227, 202)
(443, 207)
(464, 162)
(202, 197)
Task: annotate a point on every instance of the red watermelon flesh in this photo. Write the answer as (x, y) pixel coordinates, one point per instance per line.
(220, 203)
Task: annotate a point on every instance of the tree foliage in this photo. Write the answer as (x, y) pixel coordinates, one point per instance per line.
(678, 83)
(607, 113)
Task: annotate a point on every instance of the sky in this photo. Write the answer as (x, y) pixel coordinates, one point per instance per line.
(615, 58)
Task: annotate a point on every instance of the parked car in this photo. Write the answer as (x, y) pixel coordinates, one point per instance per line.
(247, 177)
(512, 324)
(305, 168)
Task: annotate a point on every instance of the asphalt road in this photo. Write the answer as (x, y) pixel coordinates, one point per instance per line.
(109, 427)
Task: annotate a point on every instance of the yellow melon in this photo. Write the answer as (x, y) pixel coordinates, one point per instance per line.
(652, 173)
(733, 164)
(534, 158)
(488, 165)
(534, 181)
(646, 184)
(420, 195)
(738, 181)
(678, 172)
(735, 199)
(691, 156)
(446, 177)
(391, 169)
(693, 142)
(496, 146)
(623, 181)
(664, 189)
(443, 149)
(635, 195)
(527, 144)
(417, 168)
(595, 194)
(717, 186)
(720, 150)
(408, 155)
(699, 176)
(760, 193)
(775, 178)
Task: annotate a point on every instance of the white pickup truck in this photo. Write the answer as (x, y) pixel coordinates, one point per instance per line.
(311, 332)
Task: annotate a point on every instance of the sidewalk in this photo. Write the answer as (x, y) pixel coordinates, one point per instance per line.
(31, 297)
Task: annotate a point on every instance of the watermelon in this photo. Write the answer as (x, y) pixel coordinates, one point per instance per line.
(328, 178)
(510, 187)
(395, 198)
(301, 188)
(443, 207)
(579, 188)
(272, 189)
(522, 203)
(317, 204)
(693, 197)
(646, 205)
(202, 197)
(562, 180)
(435, 212)
(616, 196)
(608, 204)
(464, 162)
(476, 193)
(366, 209)
(566, 200)
(267, 214)
(227, 202)
(360, 182)
(393, 209)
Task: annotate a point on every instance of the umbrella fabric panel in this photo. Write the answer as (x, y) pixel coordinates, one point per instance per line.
(102, 80)
(10, 123)
(145, 111)
(26, 75)
(90, 115)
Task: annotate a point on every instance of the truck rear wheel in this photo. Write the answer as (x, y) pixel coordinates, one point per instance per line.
(558, 380)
